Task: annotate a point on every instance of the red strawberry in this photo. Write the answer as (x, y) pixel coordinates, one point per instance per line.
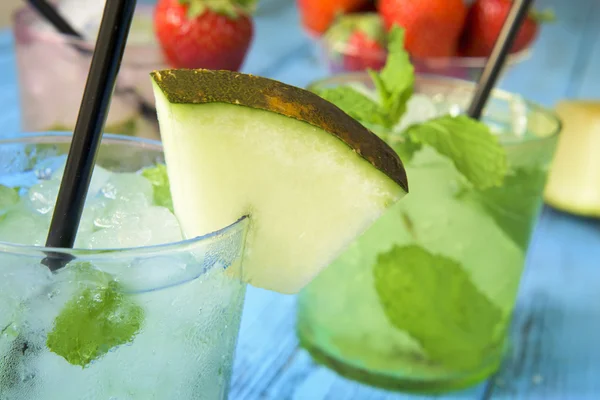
(484, 23)
(317, 15)
(203, 33)
(367, 53)
(358, 40)
(432, 27)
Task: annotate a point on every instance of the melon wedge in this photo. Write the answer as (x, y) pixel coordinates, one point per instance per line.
(310, 177)
(574, 179)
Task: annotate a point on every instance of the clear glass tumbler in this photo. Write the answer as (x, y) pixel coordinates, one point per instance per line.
(423, 300)
(52, 70)
(185, 298)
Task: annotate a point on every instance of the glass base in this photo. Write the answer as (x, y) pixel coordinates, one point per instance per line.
(397, 382)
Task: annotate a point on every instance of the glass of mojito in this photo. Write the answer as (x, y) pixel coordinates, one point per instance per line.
(137, 312)
(51, 90)
(422, 301)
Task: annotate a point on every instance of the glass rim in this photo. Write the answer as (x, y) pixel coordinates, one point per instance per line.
(432, 62)
(497, 93)
(106, 253)
(23, 18)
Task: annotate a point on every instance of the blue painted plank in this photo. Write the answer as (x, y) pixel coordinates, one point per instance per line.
(545, 77)
(266, 342)
(555, 354)
(9, 96)
(586, 79)
(277, 34)
(303, 379)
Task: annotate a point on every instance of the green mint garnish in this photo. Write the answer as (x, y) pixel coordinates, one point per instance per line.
(470, 145)
(395, 82)
(433, 299)
(394, 86)
(8, 197)
(514, 205)
(97, 319)
(356, 105)
(405, 148)
(159, 179)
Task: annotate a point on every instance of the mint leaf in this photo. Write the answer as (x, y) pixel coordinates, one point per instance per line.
(405, 148)
(515, 205)
(394, 87)
(433, 299)
(159, 179)
(8, 197)
(98, 318)
(356, 105)
(395, 82)
(470, 145)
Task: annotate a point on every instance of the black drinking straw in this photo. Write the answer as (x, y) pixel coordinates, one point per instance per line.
(51, 15)
(494, 65)
(87, 135)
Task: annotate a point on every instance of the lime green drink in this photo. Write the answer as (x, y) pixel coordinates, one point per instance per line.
(423, 300)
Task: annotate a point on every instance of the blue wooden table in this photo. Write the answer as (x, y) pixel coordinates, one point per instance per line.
(557, 321)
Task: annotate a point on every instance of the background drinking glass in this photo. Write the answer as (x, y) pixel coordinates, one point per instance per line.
(189, 298)
(440, 322)
(52, 69)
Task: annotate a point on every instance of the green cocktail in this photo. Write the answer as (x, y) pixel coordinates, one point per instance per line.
(138, 313)
(423, 300)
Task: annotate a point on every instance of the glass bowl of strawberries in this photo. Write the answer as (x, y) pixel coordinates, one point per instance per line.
(443, 37)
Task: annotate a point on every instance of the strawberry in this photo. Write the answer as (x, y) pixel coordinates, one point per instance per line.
(359, 40)
(367, 53)
(317, 15)
(203, 33)
(484, 23)
(432, 27)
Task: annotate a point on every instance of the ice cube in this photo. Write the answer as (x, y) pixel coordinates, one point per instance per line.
(115, 213)
(94, 208)
(50, 167)
(100, 178)
(42, 196)
(150, 226)
(160, 272)
(419, 108)
(128, 187)
(162, 224)
(23, 226)
(19, 282)
(103, 239)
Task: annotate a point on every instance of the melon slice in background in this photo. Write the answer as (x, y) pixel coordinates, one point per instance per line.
(310, 177)
(574, 179)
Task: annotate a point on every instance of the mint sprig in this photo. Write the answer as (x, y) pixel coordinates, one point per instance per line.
(471, 146)
(8, 198)
(159, 179)
(394, 85)
(356, 105)
(434, 300)
(98, 318)
(514, 205)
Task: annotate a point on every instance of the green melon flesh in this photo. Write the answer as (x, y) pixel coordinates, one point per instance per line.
(308, 191)
(574, 179)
